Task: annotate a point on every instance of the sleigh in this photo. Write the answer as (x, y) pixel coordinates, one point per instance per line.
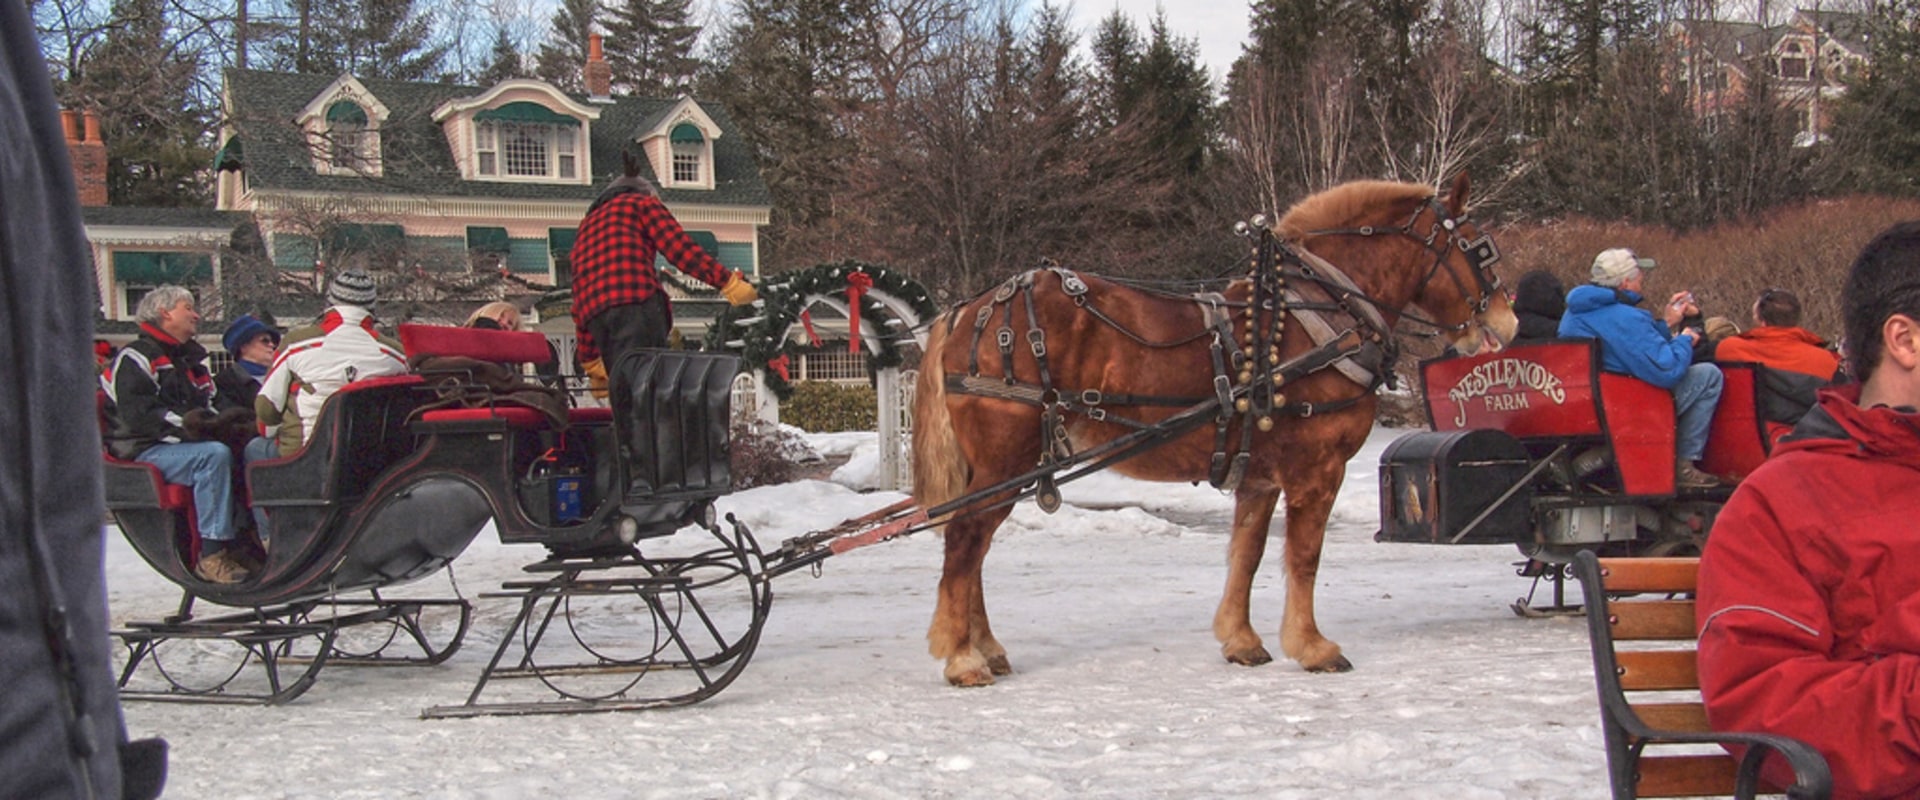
(1538, 447)
(401, 474)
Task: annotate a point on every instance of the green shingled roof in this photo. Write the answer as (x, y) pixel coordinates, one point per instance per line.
(415, 156)
(156, 217)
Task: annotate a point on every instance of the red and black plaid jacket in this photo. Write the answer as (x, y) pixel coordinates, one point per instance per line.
(612, 258)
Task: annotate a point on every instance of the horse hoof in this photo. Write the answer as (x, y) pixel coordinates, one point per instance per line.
(1338, 664)
(971, 679)
(998, 665)
(1250, 658)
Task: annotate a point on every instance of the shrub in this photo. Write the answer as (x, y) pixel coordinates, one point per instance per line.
(820, 407)
(763, 455)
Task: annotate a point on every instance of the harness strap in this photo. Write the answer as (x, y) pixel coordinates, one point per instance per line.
(979, 329)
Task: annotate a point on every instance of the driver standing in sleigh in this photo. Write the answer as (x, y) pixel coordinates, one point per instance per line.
(618, 304)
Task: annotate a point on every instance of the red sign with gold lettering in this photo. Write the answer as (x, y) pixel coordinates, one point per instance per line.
(1528, 391)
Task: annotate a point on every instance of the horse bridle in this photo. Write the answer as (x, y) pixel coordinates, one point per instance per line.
(1446, 232)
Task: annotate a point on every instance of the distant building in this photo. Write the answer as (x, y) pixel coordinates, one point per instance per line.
(1806, 59)
(440, 182)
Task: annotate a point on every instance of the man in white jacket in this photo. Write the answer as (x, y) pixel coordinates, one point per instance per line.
(315, 361)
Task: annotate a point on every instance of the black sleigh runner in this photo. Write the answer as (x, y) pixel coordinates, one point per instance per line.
(401, 474)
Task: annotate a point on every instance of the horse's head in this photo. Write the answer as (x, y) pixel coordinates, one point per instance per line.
(1408, 247)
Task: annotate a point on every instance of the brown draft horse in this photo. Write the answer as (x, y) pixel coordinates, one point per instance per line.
(1400, 245)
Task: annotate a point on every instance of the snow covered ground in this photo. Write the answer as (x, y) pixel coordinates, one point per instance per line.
(1118, 688)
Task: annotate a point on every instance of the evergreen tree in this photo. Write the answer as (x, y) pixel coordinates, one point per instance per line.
(504, 62)
(364, 38)
(142, 86)
(792, 67)
(562, 60)
(650, 44)
(1177, 97)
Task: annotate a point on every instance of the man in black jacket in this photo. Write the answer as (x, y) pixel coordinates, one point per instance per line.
(161, 397)
(59, 715)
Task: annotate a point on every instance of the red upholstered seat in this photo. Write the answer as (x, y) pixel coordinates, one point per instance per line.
(590, 416)
(513, 347)
(514, 416)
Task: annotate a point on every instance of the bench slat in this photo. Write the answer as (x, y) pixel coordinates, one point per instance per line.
(1681, 717)
(1652, 620)
(1686, 776)
(1657, 670)
(1650, 574)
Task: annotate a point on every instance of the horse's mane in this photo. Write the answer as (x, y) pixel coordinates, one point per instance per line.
(1341, 205)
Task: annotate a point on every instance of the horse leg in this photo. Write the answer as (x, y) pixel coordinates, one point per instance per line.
(981, 633)
(1252, 515)
(1307, 510)
(957, 607)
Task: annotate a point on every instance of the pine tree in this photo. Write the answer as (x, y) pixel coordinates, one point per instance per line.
(562, 59)
(143, 89)
(790, 66)
(364, 38)
(650, 45)
(504, 62)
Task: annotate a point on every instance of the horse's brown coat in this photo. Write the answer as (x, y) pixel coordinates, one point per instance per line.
(965, 443)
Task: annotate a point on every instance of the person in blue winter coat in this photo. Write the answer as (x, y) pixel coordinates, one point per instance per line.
(1633, 343)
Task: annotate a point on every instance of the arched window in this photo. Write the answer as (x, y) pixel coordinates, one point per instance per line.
(689, 153)
(351, 143)
(1793, 62)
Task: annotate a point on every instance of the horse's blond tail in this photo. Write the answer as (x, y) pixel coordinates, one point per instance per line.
(940, 470)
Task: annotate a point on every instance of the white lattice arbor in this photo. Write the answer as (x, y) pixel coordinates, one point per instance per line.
(891, 309)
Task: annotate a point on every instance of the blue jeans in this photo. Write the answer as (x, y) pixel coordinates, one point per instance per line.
(208, 468)
(260, 448)
(1694, 399)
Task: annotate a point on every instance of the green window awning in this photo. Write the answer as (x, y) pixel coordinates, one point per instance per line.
(488, 240)
(560, 245)
(527, 112)
(229, 156)
(560, 241)
(706, 240)
(686, 133)
(348, 112)
(361, 237)
(164, 267)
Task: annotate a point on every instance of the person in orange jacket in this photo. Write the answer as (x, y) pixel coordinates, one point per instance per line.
(1798, 362)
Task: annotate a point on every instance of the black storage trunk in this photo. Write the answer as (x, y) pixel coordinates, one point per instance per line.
(1433, 485)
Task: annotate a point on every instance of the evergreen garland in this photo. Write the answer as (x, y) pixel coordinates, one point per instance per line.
(787, 294)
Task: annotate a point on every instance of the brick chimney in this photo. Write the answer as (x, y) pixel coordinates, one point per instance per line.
(88, 153)
(599, 76)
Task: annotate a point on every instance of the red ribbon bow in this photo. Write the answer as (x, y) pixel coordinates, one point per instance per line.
(857, 285)
(779, 367)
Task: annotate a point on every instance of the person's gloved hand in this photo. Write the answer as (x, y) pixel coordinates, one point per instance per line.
(738, 291)
(198, 425)
(596, 372)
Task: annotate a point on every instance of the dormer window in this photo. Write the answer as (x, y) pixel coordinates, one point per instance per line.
(342, 124)
(525, 140)
(689, 153)
(1793, 62)
(352, 146)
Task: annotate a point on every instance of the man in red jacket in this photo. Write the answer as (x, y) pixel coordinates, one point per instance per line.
(1809, 601)
(618, 303)
(1798, 364)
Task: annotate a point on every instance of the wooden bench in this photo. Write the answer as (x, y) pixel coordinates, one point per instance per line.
(1650, 709)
